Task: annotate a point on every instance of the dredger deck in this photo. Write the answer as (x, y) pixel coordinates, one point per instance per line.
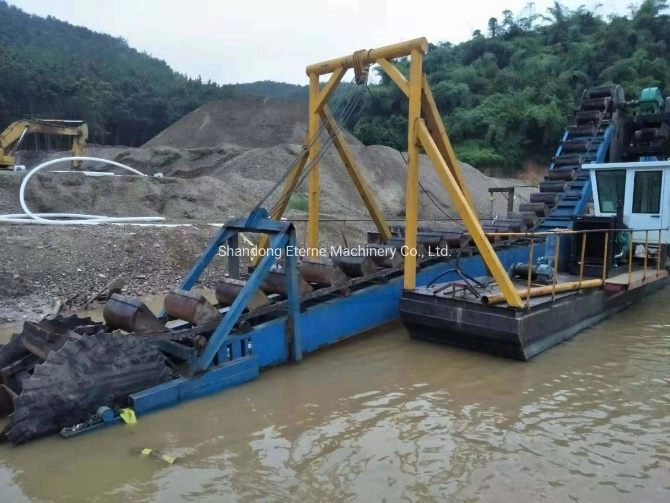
(462, 320)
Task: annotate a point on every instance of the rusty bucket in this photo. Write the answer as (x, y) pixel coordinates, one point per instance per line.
(131, 315)
(191, 307)
(228, 290)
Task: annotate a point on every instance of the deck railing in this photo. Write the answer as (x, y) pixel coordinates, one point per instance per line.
(580, 284)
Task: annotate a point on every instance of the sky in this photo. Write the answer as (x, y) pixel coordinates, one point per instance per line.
(235, 41)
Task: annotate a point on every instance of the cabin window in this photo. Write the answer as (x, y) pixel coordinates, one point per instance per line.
(647, 192)
(611, 188)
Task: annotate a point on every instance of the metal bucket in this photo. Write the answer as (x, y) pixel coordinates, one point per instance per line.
(322, 272)
(275, 282)
(131, 315)
(355, 267)
(189, 306)
(227, 291)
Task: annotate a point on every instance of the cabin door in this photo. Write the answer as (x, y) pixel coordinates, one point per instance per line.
(645, 203)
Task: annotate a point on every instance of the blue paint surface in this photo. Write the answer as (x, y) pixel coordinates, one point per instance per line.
(338, 319)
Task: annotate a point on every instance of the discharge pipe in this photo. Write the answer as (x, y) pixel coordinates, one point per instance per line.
(545, 290)
(68, 218)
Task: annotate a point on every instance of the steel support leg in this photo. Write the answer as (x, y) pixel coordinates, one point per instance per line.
(223, 330)
(293, 291)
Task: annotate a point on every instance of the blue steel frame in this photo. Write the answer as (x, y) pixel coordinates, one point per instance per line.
(282, 240)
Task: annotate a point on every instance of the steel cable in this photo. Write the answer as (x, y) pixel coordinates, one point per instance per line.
(351, 105)
(304, 151)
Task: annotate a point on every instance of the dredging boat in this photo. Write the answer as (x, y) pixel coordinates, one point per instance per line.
(73, 375)
(588, 266)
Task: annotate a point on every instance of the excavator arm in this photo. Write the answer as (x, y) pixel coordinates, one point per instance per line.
(11, 137)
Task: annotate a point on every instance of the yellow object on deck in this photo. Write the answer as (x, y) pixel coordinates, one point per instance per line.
(546, 290)
(128, 416)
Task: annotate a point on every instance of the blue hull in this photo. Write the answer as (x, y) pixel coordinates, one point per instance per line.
(320, 325)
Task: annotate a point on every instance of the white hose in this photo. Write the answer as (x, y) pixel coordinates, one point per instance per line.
(38, 218)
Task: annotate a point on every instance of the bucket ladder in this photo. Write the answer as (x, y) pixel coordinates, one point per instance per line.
(282, 242)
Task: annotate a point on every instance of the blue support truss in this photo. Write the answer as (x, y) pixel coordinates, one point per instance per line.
(282, 238)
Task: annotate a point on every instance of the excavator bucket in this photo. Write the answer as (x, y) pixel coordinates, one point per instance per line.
(321, 272)
(227, 291)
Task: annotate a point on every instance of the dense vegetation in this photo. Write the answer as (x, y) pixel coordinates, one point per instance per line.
(52, 69)
(505, 95)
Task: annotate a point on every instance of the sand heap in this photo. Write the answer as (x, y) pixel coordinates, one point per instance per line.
(222, 158)
(216, 163)
(247, 123)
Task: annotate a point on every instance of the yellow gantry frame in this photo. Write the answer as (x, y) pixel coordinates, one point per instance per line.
(425, 130)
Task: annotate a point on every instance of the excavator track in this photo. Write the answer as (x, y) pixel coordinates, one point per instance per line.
(69, 386)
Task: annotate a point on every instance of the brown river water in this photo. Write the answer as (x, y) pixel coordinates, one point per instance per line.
(386, 418)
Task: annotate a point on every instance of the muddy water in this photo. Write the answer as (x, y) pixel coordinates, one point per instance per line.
(385, 418)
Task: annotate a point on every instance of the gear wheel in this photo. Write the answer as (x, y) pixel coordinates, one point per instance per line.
(100, 369)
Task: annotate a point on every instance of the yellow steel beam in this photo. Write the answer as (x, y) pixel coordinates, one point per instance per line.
(394, 74)
(412, 185)
(313, 224)
(433, 121)
(356, 176)
(468, 215)
(439, 134)
(288, 189)
(328, 89)
(388, 52)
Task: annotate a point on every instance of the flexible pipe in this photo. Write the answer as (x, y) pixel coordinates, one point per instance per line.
(69, 218)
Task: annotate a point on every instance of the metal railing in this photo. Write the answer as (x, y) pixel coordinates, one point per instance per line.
(580, 283)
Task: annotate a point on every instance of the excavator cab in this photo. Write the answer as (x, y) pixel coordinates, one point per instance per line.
(12, 137)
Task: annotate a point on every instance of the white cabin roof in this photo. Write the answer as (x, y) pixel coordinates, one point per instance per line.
(629, 165)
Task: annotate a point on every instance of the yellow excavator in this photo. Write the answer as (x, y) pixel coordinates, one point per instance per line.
(11, 138)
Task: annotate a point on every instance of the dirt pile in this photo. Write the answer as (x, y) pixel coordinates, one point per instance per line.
(211, 184)
(217, 162)
(247, 123)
